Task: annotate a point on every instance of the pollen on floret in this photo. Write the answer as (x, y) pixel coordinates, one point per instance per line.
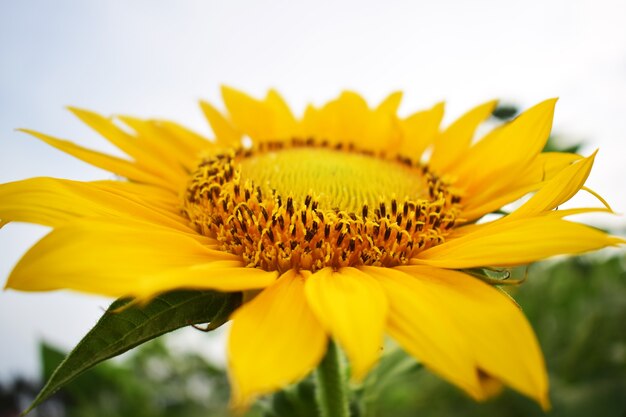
(307, 205)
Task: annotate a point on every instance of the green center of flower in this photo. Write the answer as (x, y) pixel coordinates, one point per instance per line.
(307, 206)
(338, 180)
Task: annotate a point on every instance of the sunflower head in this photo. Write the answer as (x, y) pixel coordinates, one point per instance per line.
(304, 204)
(348, 222)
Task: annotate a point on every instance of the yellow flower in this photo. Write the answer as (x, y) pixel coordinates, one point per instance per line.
(336, 221)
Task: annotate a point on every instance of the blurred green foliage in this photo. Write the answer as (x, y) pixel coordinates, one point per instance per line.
(505, 111)
(153, 381)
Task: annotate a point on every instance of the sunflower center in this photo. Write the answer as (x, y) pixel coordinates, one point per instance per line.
(307, 206)
(337, 180)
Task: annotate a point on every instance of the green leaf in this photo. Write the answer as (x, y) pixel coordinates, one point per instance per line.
(498, 276)
(125, 325)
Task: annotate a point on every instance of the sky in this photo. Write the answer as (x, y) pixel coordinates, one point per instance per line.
(158, 58)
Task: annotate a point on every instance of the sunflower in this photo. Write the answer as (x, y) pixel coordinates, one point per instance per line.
(349, 223)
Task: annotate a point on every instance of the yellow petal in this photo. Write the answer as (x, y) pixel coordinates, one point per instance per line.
(474, 210)
(598, 196)
(107, 129)
(142, 155)
(544, 167)
(353, 307)
(515, 243)
(475, 227)
(382, 127)
(497, 333)
(556, 191)
(498, 159)
(249, 115)
(342, 114)
(113, 258)
(54, 202)
(390, 104)
(110, 163)
(582, 210)
(162, 144)
(310, 124)
(349, 120)
(222, 275)
(420, 322)
(142, 193)
(547, 164)
(455, 140)
(195, 142)
(275, 340)
(285, 125)
(419, 131)
(224, 132)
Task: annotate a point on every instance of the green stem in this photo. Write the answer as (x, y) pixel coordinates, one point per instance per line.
(331, 392)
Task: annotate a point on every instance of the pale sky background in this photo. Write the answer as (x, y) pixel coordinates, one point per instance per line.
(157, 58)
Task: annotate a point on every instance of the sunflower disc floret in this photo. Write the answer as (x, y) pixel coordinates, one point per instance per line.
(260, 205)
